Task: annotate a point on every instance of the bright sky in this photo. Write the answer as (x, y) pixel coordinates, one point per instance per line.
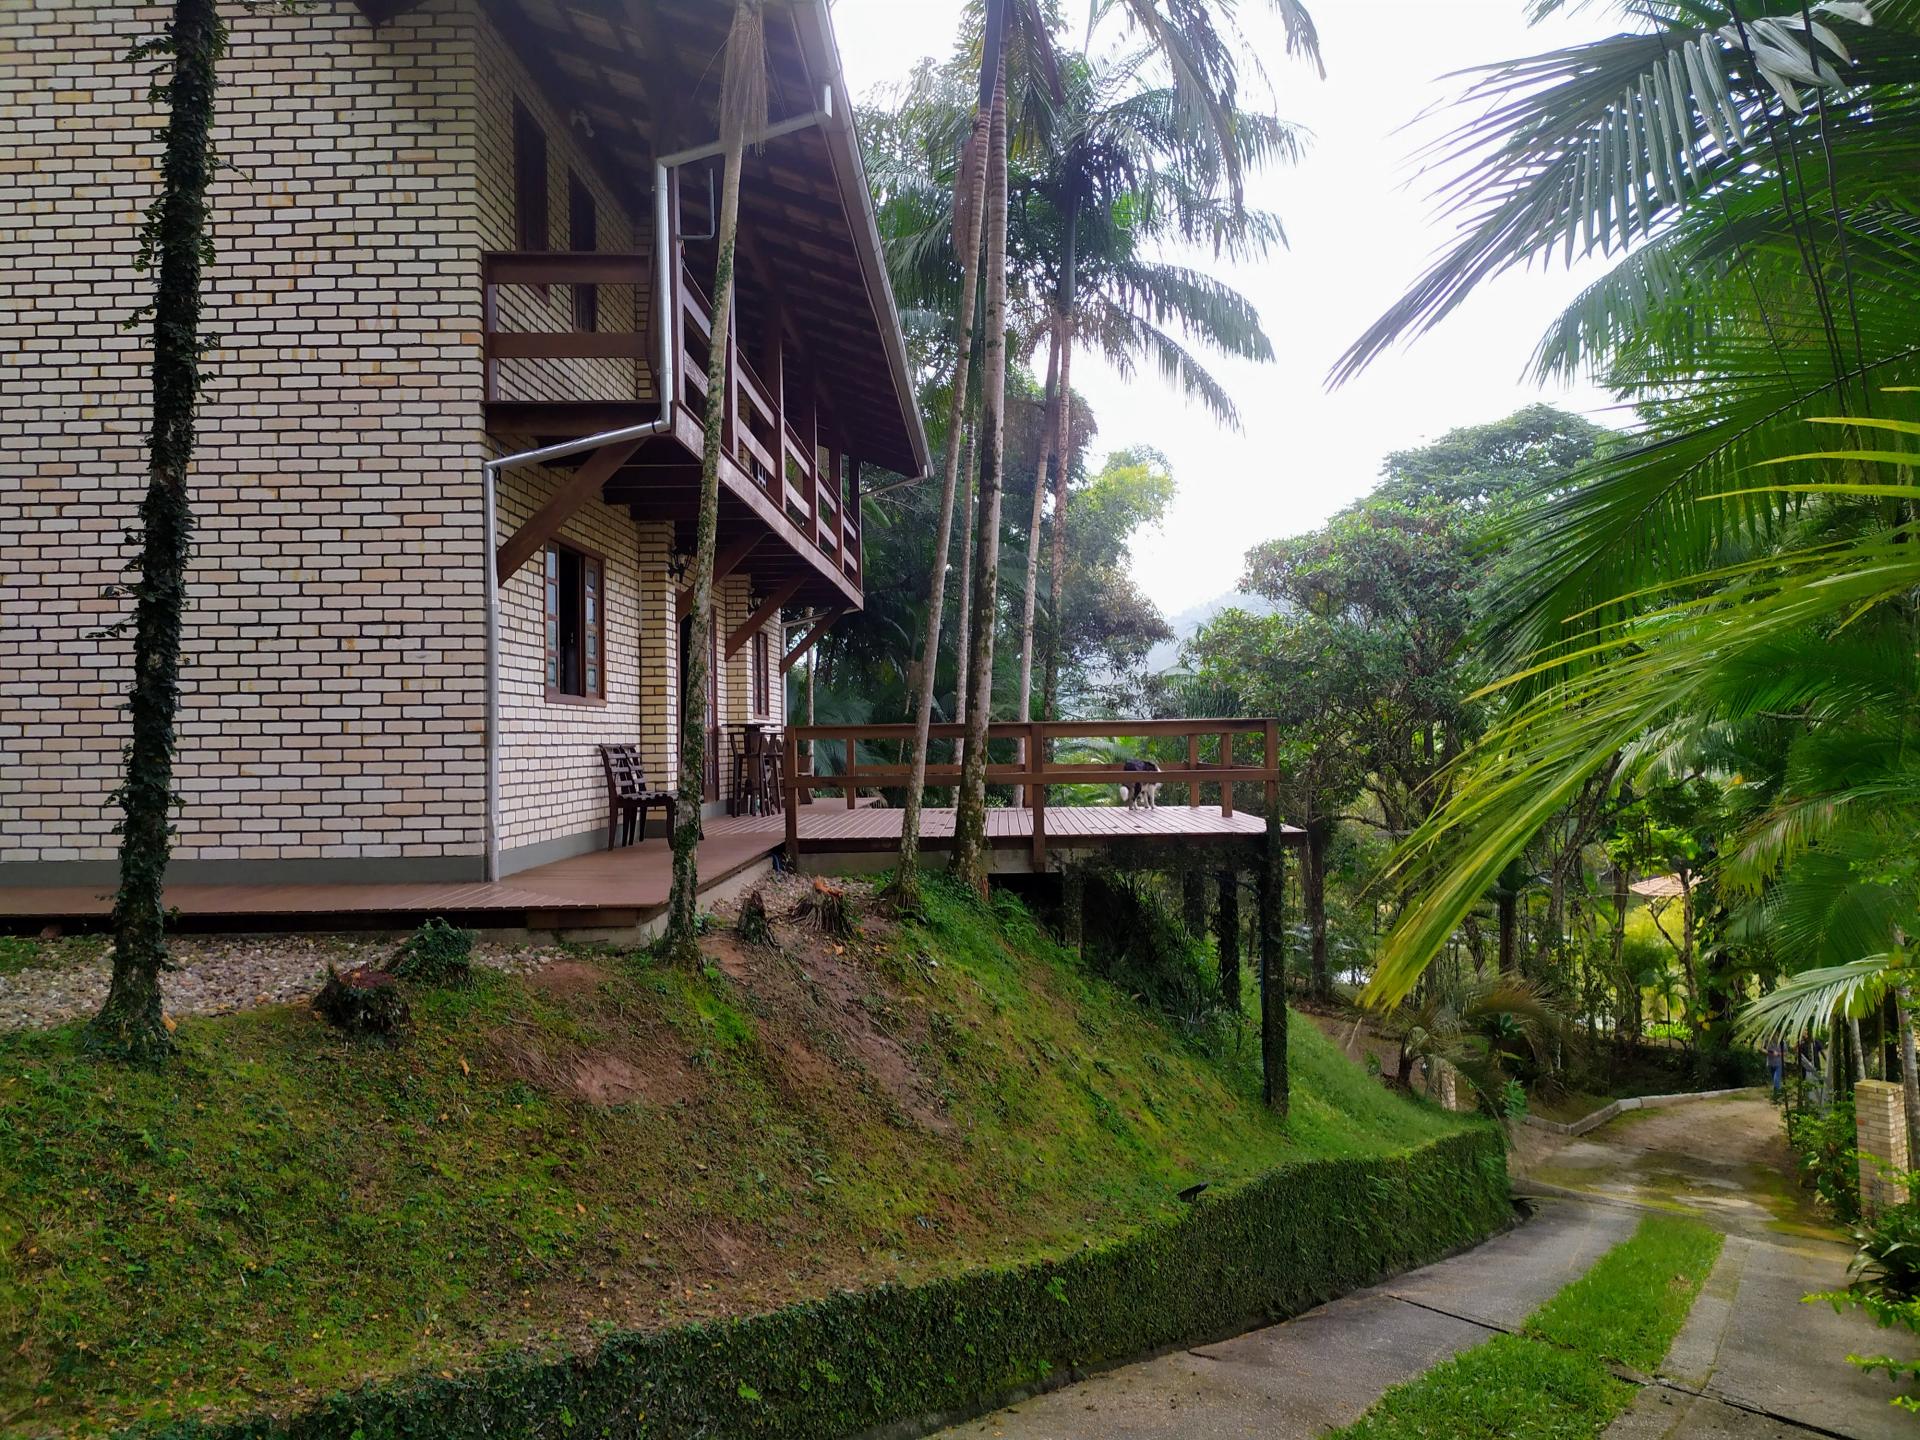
(1357, 217)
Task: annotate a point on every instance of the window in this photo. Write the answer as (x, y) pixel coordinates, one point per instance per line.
(529, 181)
(576, 625)
(583, 233)
(762, 676)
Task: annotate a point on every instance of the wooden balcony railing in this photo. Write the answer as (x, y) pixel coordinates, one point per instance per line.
(774, 444)
(771, 442)
(1036, 769)
(542, 269)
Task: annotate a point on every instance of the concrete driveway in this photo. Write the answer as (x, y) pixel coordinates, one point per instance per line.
(1752, 1362)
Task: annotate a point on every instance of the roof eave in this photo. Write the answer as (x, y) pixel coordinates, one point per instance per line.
(814, 27)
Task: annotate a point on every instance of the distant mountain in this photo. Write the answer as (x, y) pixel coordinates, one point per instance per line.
(1165, 655)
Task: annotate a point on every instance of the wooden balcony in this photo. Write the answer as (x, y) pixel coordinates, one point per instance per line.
(781, 475)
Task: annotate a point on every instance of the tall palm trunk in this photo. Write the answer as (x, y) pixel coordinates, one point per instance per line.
(972, 177)
(130, 1022)
(1023, 708)
(1063, 448)
(743, 107)
(970, 819)
(963, 607)
(1909, 1071)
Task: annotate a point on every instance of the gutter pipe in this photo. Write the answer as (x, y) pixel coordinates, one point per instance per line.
(666, 384)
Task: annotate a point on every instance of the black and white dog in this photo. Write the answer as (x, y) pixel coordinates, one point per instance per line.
(1146, 794)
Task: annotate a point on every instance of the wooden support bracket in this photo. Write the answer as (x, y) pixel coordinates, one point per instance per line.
(574, 491)
(808, 640)
(767, 609)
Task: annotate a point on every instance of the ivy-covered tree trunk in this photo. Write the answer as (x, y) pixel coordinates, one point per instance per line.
(970, 817)
(742, 108)
(130, 1022)
(1273, 974)
(969, 208)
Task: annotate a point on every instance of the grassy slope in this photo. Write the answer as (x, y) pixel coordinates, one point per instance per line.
(285, 1211)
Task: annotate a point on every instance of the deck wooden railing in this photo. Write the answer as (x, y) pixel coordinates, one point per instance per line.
(1036, 769)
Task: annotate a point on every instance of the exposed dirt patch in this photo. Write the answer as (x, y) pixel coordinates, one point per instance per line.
(625, 1060)
(832, 1020)
(565, 978)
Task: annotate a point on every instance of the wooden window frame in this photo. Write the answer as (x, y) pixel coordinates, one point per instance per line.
(593, 624)
(762, 671)
(532, 204)
(583, 234)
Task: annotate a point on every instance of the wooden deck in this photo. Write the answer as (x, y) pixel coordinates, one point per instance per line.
(613, 889)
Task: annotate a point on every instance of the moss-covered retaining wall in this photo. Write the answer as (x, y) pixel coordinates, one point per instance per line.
(858, 1361)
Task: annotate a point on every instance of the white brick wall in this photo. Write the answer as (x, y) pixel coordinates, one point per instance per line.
(334, 678)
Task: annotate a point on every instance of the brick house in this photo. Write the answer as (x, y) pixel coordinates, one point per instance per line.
(451, 232)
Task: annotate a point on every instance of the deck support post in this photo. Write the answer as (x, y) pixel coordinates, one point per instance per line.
(1037, 792)
(790, 768)
(1226, 930)
(1273, 967)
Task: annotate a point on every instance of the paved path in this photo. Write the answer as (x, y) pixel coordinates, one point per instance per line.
(1752, 1363)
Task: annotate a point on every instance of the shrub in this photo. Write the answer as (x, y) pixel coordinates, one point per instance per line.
(364, 1001)
(860, 1360)
(1132, 937)
(436, 954)
(1888, 1261)
(1822, 1142)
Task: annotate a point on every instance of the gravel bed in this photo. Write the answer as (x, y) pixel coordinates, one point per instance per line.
(219, 974)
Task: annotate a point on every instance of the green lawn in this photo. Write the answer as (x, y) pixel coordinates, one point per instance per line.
(1554, 1380)
(612, 1144)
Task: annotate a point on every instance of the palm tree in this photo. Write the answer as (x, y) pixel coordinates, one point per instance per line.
(970, 818)
(1117, 172)
(130, 1023)
(969, 209)
(743, 111)
(1746, 167)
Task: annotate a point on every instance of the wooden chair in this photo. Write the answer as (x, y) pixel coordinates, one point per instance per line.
(740, 784)
(770, 767)
(629, 801)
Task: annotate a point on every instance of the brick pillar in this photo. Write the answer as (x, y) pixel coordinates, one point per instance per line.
(1880, 1129)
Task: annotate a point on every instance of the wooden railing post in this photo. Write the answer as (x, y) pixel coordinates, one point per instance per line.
(1272, 766)
(853, 767)
(791, 769)
(1226, 785)
(1037, 790)
(1193, 763)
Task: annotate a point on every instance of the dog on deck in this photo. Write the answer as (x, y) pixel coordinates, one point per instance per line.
(1144, 794)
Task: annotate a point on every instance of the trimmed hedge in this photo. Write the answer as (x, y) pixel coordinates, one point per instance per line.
(859, 1360)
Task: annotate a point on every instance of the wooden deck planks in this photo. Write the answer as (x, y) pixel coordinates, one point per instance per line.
(631, 883)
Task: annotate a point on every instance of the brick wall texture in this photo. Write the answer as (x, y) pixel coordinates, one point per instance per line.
(1880, 1122)
(334, 675)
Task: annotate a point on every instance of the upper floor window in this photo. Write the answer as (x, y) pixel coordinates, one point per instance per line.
(576, 624)
(583, 233)
(530, 231)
